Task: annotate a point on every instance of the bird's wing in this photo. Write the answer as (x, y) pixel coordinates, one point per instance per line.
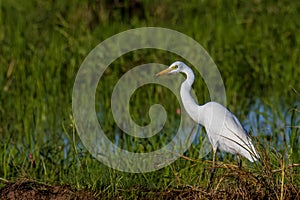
(237, 134)
(235, 128)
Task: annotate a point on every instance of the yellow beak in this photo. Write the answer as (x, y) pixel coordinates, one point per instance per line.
(163, 72)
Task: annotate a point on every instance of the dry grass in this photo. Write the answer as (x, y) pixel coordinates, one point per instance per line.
(234, 183)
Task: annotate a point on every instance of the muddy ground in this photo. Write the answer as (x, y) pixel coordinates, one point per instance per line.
(33, 190)
(29, 189)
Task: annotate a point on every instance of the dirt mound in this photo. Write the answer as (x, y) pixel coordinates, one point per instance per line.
(29, 189)
(33, 190)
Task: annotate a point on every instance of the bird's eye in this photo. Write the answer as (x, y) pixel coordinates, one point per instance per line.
(174, 67)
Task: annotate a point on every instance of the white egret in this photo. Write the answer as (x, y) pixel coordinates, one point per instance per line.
(224, 130)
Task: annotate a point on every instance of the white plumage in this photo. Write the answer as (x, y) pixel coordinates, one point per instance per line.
(224, 130)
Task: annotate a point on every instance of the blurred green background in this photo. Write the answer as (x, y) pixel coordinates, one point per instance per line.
(255, 44)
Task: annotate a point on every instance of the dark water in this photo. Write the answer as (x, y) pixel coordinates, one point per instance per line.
(269, 125)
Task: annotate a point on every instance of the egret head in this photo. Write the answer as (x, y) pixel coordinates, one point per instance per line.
(176, 67)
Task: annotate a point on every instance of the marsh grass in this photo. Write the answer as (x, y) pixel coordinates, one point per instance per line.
(255, 45)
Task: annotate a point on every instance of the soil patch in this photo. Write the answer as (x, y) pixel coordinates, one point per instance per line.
(33, 190)
(30, 189)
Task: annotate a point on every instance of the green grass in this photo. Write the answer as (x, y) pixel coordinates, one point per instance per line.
(255, 44)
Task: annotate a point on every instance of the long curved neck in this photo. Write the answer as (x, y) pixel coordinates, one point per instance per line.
(192, 108)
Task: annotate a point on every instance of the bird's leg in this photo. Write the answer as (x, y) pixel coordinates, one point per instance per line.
(212, 172)
(213, 165)
(239, 161)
